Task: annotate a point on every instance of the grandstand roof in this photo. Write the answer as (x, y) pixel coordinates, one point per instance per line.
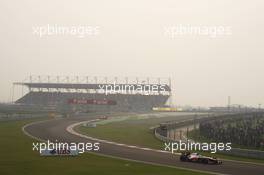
(159, 87)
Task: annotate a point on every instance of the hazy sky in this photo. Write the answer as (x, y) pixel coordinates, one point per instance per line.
(131, 42)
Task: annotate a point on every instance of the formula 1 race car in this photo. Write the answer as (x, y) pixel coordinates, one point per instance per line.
(198, 158)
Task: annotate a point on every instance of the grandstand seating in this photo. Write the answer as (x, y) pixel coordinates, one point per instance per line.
(125, 102)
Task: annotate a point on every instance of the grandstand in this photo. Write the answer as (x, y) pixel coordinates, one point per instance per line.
(87, 94)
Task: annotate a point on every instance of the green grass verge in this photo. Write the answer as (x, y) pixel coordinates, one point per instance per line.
(17, 157)
(124, 132)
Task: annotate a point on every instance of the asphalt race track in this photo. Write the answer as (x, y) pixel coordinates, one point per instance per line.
(56, 130)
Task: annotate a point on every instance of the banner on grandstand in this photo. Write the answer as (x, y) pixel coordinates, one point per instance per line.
(92, 101)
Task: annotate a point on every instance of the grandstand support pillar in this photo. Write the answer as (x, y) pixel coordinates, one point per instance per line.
(170, 85)
(30, 78)
(95, 80)
(87, 81)
(159, 85)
